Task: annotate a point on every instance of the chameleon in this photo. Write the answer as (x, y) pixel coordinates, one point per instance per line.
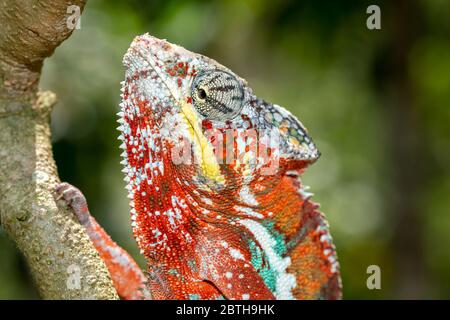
(212, 172)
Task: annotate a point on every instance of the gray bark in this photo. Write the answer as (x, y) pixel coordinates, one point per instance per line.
(55, 246)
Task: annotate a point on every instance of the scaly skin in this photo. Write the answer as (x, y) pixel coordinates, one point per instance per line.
(212, 171)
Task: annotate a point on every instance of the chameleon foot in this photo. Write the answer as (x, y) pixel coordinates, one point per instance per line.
(128, 279)
(75, 199)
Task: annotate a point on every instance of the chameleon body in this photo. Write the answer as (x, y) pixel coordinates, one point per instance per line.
(212, 173)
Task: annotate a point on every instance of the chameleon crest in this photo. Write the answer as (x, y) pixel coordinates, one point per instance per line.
(212, 172)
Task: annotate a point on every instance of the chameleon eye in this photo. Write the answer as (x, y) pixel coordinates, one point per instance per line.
(217, 95)
(201, 94)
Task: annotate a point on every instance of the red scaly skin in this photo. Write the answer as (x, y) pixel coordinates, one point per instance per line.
(212, 172)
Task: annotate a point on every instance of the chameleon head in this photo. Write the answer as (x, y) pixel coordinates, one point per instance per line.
(211, 122)
(209, 168)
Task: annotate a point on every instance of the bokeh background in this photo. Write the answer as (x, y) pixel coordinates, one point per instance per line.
(375, 101)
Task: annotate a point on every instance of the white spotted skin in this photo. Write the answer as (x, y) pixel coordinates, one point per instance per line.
(248, 212)
(236, 254)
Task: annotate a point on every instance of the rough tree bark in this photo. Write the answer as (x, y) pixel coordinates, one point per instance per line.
(54, 244)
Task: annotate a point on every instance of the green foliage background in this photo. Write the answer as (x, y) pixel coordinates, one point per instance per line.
(376, 103)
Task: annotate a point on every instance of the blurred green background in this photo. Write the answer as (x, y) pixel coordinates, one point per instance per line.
(375, 101)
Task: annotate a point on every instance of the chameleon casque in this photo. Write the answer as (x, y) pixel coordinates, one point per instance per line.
(212, 173)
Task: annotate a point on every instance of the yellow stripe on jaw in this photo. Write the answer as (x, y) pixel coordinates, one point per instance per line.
(202, 148)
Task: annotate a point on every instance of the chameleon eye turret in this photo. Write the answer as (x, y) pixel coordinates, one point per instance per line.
(217, 95)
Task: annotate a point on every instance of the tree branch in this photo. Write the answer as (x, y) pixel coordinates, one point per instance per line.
(53, 243)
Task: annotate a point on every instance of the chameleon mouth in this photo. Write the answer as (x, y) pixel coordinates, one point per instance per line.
(295, 143)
